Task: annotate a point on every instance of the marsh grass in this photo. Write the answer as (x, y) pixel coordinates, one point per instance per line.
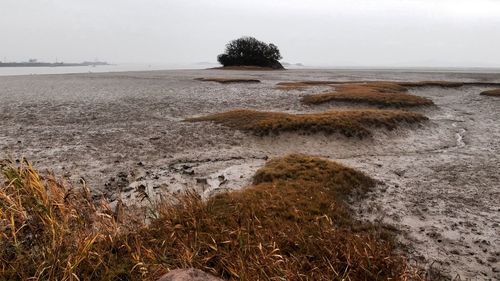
(381, 93)
(351, 123)
(443, 84)
(293, 223)
(228, 80)
(491, 93)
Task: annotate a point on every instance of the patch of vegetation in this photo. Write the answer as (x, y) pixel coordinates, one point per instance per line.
(376, 93)
(248, 51)
(441, 84)
(293, 223)
(492, 93)
(352, 123)
(228, 80)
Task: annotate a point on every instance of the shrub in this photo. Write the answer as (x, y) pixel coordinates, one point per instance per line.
(250, 51)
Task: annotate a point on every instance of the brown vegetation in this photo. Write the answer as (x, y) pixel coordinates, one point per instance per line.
(377, 93)
(228, 80)
(442, 84)
(292, 224)
(492, 93)
(349, 123)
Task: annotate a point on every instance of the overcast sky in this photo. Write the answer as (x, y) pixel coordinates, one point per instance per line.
(313, 32)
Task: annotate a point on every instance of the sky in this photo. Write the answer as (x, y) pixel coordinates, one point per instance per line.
(353, 33)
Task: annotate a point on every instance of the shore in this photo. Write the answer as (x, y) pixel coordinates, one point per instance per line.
(118, 131)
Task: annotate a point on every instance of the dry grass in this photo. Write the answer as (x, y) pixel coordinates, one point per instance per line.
(48, 232)
(492, 93)
(292, 224)
(228, 80)
(349, 123)
(376, 93)
(442, 84)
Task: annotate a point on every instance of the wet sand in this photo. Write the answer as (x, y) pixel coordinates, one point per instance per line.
(124, 131)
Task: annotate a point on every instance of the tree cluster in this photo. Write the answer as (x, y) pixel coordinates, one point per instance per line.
(250, 51)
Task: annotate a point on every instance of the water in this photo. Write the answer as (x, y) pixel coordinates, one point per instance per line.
(11, 71)
(14, 71)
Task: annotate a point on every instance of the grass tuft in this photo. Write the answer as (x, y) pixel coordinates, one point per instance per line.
(492, 93)
(47, 231)
(352, 123)
(442, 84)
(293, 223)
(376, 93)
(228, 80)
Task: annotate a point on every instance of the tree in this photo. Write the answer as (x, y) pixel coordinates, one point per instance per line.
(250, 51)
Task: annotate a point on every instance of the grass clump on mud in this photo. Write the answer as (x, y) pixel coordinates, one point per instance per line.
(351, 123)
(293, 223)
(491, 93)
(441, 84)
(228, 80)
(376, 93)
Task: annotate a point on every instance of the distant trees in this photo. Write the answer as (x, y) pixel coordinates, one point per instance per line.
(250, 51)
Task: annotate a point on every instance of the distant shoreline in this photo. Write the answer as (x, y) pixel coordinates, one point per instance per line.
(48, 64)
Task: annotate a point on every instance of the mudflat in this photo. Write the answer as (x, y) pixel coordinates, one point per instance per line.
(117, 132)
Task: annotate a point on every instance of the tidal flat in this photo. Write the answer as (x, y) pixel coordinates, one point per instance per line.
(438, 182)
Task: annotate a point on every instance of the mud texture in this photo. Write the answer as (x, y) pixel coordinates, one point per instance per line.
(123, 135)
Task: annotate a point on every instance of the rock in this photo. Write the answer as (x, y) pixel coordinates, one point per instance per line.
(190, 274)
(141, 187)
(400, 173)
(127, 189)
(189, 171)
(201, 181)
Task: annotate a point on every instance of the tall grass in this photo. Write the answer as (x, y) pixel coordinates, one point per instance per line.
(48, 231)
(293, 223)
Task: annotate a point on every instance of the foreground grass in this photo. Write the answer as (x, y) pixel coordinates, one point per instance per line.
(292, 224)
(492, 93)
(352, 123)
(376, 93)
(228, 80)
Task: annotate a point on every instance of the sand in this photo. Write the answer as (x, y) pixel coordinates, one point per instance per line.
(124, 131)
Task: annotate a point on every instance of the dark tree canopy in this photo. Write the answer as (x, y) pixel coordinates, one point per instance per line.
(250, 51)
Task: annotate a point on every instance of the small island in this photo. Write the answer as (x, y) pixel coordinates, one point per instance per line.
(248, 53)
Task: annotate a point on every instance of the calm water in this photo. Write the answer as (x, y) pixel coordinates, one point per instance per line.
(11, 71)
(8, 71)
